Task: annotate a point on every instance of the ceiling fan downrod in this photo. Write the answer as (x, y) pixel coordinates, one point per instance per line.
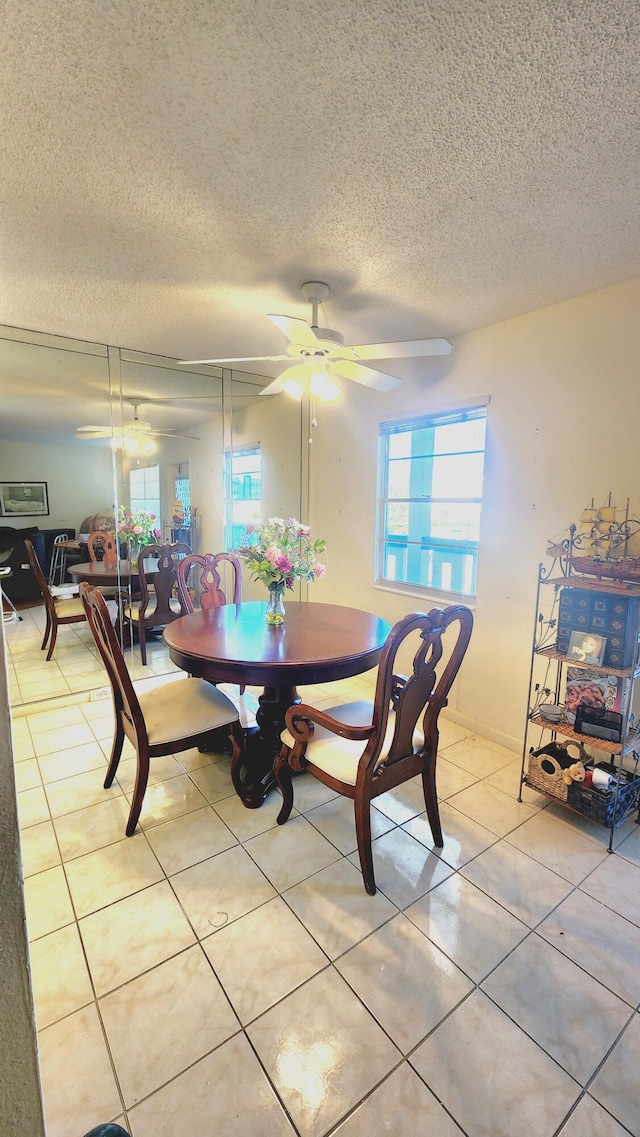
(316, 293)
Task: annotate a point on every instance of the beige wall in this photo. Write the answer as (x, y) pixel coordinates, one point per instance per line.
(562, 428)
(79, 480)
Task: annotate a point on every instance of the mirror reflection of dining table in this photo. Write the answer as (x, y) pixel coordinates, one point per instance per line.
(318, 643)
(98, 573)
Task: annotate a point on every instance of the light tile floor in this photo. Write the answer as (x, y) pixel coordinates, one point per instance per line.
(75, 666)
(217, 974)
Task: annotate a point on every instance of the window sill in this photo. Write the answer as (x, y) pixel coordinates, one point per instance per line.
(433, 595)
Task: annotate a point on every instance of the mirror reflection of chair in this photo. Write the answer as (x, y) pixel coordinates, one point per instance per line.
(106, 543)
(362, 750)
(59, 609)
(165, 606)
(206, 585)
(166, 720)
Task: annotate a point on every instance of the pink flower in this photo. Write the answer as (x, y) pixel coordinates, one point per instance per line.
(283, 563)
(137, 529)
(304, 531)
(271, 554)
(319, 570)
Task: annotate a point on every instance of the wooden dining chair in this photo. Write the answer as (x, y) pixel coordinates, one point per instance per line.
(166, 720)
(59, 609)
(362, 750)
(157, 608)
(106, 543)
(206, 584)
(207, 587)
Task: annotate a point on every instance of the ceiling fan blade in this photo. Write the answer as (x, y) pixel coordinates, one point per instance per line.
(274, 388)
(405, 349)
(170, 434)
(296, 330)
(93, 431)
(169, 401)
(239, 359)
(346, 369)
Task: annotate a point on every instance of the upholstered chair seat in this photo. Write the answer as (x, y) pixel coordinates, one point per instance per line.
(66, 607)
(340, 757)
(188, 706)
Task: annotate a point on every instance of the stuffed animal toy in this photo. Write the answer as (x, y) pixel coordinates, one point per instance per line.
(575, 773)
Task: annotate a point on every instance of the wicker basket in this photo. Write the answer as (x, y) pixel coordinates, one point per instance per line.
(547, 766)
(601, 805)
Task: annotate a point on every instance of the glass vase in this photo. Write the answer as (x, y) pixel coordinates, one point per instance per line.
(275, 603)
(134, 552)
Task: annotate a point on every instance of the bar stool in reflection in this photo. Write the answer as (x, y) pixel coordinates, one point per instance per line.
(58, 566)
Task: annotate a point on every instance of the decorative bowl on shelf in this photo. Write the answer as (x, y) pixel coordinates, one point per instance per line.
(551, 712)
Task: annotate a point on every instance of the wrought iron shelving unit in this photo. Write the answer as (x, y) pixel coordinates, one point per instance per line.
(552, 664)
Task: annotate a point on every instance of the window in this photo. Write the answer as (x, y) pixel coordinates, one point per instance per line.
(182, 490)
(430, 477)
(144, 490)
(244, 474)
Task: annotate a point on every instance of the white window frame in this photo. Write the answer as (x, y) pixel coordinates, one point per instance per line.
(240, 452)
(147, 504)
(444, 559)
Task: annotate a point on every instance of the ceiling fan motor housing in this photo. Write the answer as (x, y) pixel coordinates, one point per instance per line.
(329, 337)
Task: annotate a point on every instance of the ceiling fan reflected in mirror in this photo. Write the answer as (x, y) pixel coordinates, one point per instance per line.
(135, 437)
(321, 357)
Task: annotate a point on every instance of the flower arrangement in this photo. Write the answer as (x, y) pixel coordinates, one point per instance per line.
(135, 527)
(280, 551)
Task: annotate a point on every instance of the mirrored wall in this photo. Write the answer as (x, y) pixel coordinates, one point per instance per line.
(90, 428)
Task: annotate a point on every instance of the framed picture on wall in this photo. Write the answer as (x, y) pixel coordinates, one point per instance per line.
(23, 499)
(587, 647)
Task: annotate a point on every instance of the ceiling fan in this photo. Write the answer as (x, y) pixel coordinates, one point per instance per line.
(134, 437)
(321, 355)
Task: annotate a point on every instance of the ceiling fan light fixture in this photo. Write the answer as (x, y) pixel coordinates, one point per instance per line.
(295, 386)
(138, 443)
(324, 386)
(312, 376)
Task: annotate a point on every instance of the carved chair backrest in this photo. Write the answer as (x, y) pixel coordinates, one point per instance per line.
(106, 640)
(104, 541)
(422, 691)
(164, 580)
(207, 584)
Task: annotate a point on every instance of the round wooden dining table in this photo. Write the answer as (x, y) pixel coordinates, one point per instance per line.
(96, 572)
(318, 643)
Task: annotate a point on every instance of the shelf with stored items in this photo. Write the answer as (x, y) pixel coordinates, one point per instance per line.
(584, 665)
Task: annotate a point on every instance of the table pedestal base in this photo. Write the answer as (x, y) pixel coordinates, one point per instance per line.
(253, 777)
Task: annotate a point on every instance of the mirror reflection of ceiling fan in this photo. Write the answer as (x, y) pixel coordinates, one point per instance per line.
(322, 357)
(133, 437)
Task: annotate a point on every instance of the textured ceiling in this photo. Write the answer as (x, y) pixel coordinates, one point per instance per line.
(173, 170)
